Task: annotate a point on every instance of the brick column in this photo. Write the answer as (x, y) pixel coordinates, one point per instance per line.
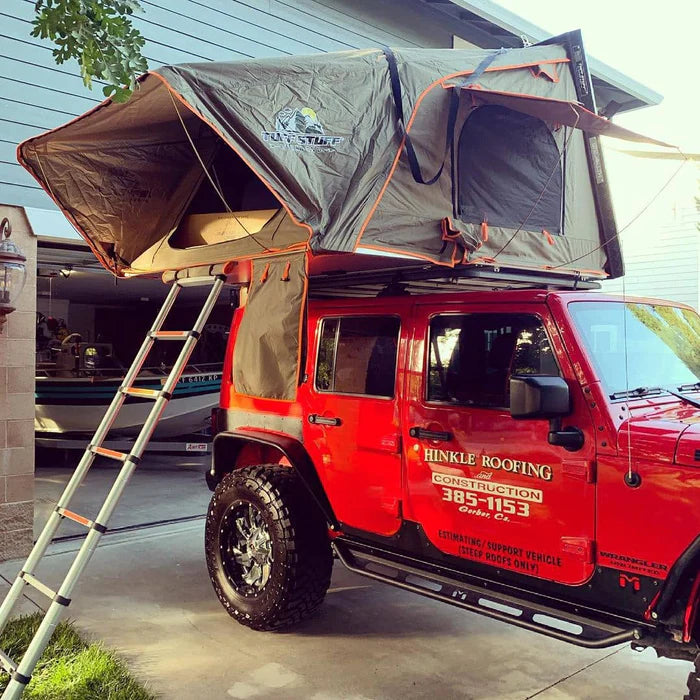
(17, 353)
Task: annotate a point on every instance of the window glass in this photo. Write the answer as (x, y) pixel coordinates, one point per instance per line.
(640, 345)
(472, 357)
(326, 355)
(357, 355)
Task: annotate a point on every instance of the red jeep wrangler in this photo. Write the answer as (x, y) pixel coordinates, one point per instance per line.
(504, 451)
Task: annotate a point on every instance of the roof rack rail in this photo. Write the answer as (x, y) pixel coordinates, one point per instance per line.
(424, 279)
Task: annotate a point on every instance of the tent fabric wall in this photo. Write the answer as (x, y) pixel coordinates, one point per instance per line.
(266, 358)
(417, 216)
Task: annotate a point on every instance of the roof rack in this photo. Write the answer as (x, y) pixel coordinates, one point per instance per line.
(426, 279)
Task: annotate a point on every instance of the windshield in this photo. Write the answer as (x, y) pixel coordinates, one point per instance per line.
(663, 343)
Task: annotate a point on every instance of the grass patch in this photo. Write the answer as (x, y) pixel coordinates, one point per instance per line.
(70, 668)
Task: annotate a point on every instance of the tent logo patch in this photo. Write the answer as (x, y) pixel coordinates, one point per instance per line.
(300, 130)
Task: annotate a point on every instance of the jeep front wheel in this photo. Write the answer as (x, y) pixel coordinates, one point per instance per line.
(267, 547)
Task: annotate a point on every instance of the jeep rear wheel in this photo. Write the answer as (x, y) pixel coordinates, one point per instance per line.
(267, 547)
(694, 681)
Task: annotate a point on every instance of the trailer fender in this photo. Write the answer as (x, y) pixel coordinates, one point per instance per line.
(229, 445)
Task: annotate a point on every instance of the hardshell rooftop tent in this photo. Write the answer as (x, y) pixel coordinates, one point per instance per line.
(454, 157)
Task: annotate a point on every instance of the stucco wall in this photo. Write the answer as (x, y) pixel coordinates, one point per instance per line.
(17, 403)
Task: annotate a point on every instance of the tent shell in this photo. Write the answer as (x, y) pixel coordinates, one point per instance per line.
(300, 234)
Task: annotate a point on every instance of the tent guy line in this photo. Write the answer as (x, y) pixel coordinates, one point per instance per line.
(635, 217)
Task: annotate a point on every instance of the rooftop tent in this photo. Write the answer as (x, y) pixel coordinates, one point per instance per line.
(214, 162)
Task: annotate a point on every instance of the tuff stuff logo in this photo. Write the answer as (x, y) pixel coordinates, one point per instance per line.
(300, 130)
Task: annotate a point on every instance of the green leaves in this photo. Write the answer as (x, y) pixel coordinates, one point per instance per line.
(99, 34)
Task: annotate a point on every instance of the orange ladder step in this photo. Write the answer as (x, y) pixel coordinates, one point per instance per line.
(142, 393)
(112, 454)
(173, 335)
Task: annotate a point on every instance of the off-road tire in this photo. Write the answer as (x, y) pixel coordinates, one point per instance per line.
(302, 560)
(694, 681)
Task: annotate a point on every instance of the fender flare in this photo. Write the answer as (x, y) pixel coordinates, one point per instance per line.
(291, 448)
(686, 567)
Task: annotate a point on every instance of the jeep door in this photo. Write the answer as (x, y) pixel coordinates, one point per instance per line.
(484, 486)
(351, 426)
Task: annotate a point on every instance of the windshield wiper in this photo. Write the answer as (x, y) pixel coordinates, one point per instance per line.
(639, 391)
(646, 390)
(689, 387)
(687, 399)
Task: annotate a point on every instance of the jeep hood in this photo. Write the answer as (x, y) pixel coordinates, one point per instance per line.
(668, 433)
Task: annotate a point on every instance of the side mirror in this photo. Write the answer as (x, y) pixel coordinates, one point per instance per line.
(535, 396)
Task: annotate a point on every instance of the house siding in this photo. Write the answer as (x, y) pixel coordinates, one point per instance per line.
(665, 266)
(37, 95)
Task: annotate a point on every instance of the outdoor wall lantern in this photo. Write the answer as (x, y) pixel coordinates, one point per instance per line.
(13, 269)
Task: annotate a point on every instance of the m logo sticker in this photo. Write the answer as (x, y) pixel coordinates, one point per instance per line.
(299, 129)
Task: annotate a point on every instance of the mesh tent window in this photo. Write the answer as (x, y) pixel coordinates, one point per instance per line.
(240, 187)
(509, 171)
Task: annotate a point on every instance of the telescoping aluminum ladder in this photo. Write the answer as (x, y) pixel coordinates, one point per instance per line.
(20, 674)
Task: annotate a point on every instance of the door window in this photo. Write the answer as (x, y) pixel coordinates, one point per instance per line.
(472, 357)
(357, 355)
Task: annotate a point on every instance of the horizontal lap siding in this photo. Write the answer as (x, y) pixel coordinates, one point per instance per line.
(26, 196)
(36, 94)
(15, 174)
(665, 264)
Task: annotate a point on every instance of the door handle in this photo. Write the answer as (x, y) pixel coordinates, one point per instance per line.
(315, 419)
(425, 434)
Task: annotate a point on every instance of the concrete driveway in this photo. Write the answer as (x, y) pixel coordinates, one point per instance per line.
(146, 594)
(164, 487)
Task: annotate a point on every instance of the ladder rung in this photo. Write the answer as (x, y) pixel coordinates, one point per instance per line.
(112, 454)
(197, 281)
(43, 588)
(74, 517)
(82, 520)
(7, 663)
(173, 335)
(143, 393)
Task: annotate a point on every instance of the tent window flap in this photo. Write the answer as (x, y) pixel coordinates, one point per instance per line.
(509, 171)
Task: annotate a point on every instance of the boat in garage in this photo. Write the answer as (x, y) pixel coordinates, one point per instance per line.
(70, 406)
(87, 332)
